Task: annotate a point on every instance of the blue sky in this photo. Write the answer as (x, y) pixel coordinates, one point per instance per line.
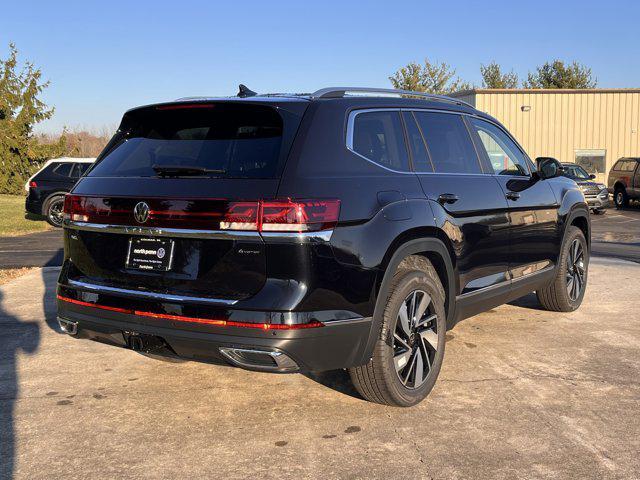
(105, 57)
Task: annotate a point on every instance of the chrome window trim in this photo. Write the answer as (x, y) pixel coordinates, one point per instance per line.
(349, 139)
(354, 113)
(146, 294)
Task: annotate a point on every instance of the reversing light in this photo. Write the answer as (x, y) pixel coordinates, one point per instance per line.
(241, 216)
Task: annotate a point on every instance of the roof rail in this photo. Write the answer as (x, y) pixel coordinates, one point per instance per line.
(339, 92)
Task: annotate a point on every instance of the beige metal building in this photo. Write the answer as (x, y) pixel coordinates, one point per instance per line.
(590, 127)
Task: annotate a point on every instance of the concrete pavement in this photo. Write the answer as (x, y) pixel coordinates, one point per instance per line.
(523, 393)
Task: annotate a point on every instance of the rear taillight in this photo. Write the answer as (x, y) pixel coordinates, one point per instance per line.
(241, 216)
(282, 215)
(73, 208)
(299, 216)
(33, 184)
(207, 214)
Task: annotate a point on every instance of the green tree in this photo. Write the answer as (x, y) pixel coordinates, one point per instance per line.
(429, 78)
(21, 109)
(492, 77)
(557, 74)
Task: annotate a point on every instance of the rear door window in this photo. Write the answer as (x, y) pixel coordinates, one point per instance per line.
(229, 140)
(448, 143)
(378, 136)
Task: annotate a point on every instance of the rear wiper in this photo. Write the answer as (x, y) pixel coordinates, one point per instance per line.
(184, 171)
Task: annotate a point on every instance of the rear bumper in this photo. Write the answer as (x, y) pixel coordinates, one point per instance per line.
(33, 207)
(337, 344)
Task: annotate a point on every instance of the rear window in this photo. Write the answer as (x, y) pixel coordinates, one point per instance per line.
(378, 137)
(241, 141)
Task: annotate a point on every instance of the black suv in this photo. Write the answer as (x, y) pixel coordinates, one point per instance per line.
(47, 188)
(348, 228)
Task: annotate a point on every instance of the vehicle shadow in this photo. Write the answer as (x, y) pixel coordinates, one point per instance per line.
(529, 301)
(337, 380)
(16, 337)
(49, 306)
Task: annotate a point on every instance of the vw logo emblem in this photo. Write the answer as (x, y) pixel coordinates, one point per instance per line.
(141, 212)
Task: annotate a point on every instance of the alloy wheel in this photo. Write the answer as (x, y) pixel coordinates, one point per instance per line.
(56, 212)
(415, 339)
(575, 270)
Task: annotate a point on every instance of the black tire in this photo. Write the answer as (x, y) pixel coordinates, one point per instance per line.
(620, 198)
(599, 211)
(558, 295)
(53, 210)
(378, 381)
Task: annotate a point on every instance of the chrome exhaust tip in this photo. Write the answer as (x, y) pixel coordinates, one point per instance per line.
(67, 326)
(267, 360)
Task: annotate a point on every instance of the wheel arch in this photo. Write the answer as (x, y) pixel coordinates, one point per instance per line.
(619, 185)
(426, 242)
(45, 203)
(578, 218)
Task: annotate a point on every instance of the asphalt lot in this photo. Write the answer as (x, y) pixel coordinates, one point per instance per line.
(615, 234)
(43, 249)
(523, 393)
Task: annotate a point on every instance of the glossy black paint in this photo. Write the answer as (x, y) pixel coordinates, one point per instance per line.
(487, 246)
(51, 183)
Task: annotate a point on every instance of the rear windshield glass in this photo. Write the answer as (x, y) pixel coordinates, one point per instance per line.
(227, 140)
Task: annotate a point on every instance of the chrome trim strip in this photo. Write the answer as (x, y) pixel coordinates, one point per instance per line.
(297, 237)
(344, 321)
(505, 283)
(151, 295)
(283, 363)
(163, 232)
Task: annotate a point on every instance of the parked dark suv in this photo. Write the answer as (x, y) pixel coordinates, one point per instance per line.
(624, 181)
(47, 187)
(315, 232)
(595, 193)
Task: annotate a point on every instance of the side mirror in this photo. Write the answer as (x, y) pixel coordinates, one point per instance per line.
(592, 176)
(548, 167)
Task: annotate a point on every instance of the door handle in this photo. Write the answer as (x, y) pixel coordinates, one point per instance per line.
(513, 196)
(447, 198)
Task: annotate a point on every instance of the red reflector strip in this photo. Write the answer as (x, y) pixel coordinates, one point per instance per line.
(206, 321)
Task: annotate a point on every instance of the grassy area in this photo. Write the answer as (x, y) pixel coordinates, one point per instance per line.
(6, 275)
(12, 221)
